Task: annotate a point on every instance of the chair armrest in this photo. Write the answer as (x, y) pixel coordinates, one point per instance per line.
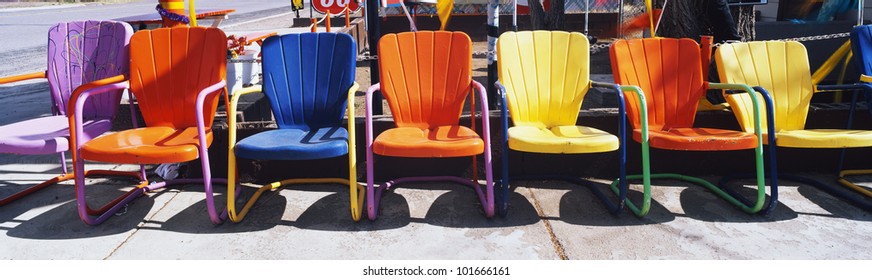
(643, 103)
(87, 87)
(350, 112)
(622, 124)
(864, 85)
(218, 87)
(739, 89)
(643, 120)
(23, 77)
(77, 104)
(231, 112)
(485, 120)
(368, 126)
(504, 113)
(35, 75)
(368, 105)
(485, 126)
(858, 86)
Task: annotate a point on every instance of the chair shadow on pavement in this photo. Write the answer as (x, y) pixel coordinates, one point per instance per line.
(836, 207)
(329, 213)
(62, 221)
(332, 213)
(461, 209)
(701, 204)
(580, 206)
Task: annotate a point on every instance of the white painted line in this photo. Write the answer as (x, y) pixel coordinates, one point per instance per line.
(9, 10)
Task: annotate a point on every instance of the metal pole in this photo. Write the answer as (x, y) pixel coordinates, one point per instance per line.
(515, 15)
(860, 5)
(586, 16)
(621, 19)
(493, 32)
(373, 33)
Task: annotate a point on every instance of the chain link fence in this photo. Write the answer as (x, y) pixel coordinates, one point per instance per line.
(630, 9)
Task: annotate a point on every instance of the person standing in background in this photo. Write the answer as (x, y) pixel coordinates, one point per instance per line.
(723, 24)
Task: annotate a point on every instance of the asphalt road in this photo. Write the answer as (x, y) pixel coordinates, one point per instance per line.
(23, 31)
(23, 42)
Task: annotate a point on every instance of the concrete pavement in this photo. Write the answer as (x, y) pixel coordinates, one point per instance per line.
(548, 220)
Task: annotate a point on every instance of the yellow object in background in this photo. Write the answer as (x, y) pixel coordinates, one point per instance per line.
(443, 9)
(296, 5)
(192, 14)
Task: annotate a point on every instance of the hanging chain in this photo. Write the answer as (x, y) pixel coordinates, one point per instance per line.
(807, 38)
(366, 57)
(239, 60)
(818, 37)
(596, 48)
(484, 53)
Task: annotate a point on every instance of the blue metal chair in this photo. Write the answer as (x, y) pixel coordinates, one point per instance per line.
(308, 80)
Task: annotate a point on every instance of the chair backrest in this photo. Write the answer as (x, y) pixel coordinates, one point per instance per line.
(546, 75)
(307, 77)
(81, 52)
(425, 76)
(779, 67)
(861, 43)
(669, 71)
(169, 67)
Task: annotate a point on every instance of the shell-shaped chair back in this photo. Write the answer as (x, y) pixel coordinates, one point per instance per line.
(546, 75)
(781, 68)
(425, 76)
(81, 52)
(307, 76)
(668, 71)
(169, 68)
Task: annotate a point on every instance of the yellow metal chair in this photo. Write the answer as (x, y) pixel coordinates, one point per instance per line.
(543, 78)
(782, 69)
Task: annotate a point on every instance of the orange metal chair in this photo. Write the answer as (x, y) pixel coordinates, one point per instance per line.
(176, 75)
(669, 71)
(426, 77)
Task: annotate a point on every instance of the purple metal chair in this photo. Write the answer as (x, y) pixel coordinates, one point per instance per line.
(81, 55)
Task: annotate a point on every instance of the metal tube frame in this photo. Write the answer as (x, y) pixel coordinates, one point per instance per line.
(373, 194)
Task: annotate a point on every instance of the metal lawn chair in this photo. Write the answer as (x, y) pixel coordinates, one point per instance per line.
(669, 71)
(177, 75)
(780, 71)
(81, 55)
(309, 82)
(544, 77)
(426, 77)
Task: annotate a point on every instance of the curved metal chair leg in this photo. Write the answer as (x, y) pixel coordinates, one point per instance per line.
(844, 181)
(86, 214)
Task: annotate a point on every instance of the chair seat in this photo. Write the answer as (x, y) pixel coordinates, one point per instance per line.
(561, 140)
(294, 144)
(824, 138)
(148, 145)
(45, 135)
(442, 141)
(699, 139)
